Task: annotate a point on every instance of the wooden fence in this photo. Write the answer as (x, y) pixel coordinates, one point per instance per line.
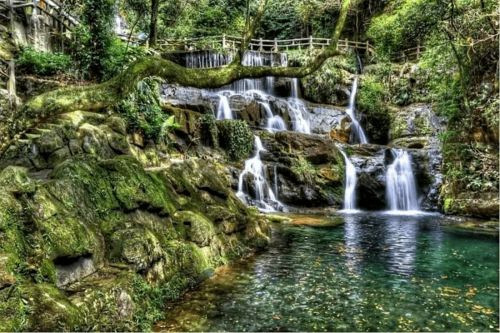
(232, 43)
(411, 54)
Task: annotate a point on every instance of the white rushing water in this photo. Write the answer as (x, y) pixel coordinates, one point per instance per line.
(299, 114)
(274, 122)
(264, 197)
(401, 191)
(359, 134)
(223, 109)
(350, 185)
(259, 193)
(294, 93)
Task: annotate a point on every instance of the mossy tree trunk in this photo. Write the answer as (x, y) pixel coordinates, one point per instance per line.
(99, 96)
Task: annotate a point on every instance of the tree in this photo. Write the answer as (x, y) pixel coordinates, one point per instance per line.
(100, 96)
(153, 27)
(98, 17)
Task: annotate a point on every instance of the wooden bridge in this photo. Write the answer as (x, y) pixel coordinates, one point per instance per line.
(232, 43)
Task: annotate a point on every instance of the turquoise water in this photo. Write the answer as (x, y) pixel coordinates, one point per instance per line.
(375, 273)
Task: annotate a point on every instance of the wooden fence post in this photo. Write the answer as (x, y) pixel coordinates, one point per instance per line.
(276, 45)
(418, 50)
(261, 47)
(223, 41)
(311, 46)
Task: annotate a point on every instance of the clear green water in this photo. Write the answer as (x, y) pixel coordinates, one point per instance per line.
(375, 273)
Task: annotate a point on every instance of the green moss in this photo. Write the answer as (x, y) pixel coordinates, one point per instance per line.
(196, 227)
(49, 309)
(14, 312)
(134, 187)
(15, 179)
(325, 85)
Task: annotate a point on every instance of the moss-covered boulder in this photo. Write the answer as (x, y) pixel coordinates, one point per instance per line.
(93, 238)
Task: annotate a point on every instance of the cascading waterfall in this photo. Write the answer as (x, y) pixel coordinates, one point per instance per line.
(359, 134)
(260, 90)
(207, 59)
(294, 92)
(298, 113)
(401, 190)
(350, 184)
(265, 199)
(274, 122)
(223, 109)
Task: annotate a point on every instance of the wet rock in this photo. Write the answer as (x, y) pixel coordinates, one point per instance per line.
(483, 205)
(304, 170)
(188, 98)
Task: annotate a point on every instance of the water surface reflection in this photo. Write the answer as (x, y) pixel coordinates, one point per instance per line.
(375, 273)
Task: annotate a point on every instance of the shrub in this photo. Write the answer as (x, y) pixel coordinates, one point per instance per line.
(370, 102)
(143, 111)
(43, 63)
(236, 137)
(118, 56)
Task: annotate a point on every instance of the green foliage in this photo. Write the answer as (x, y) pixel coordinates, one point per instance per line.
(184, 18)
(143, 111)
(94, 37)
(371, 101)
(323, 86)
(118, 56)
(404, 25)
(43, 63)
(304, 169)
(236, 137)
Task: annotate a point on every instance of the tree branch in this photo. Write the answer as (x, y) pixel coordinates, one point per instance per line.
(100, 96)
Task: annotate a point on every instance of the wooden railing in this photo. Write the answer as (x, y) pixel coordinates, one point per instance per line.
(233, 43)
(410, 54)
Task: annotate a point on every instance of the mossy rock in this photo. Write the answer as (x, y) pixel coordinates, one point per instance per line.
(138, 247)
(134, 187)
(49, 308)
(197, 228)
(16, 180)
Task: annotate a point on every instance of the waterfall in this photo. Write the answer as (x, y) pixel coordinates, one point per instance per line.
(119, 25)
(274, 122)
(298, 113)
(350, 184)
(223, 109)
(294, 93)
(207, 59)
(401, 190)
(359, 134)
(265, 199)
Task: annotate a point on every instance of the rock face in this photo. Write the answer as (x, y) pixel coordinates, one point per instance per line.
(324, 119)
(97, 227)
(308, 169)
(371, 162)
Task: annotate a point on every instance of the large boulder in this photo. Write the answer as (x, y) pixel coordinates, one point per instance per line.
(305, 170)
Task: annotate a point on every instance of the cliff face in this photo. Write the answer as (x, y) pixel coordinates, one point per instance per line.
(98, 228)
